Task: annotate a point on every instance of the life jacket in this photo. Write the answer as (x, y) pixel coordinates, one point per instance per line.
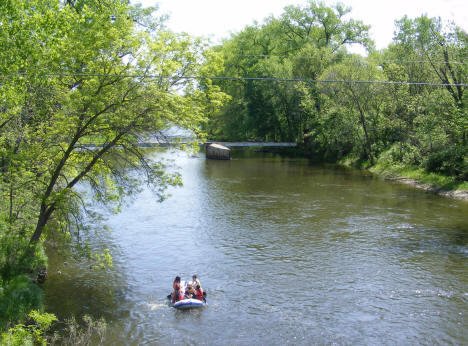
(199, 294)
(178, 293)
(197, 283)
(181, 294)
(189, 293)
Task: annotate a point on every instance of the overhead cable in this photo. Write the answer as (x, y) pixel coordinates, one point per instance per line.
(266, 79)
(464, 62)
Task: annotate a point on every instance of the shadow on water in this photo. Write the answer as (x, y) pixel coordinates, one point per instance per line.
(461, 235)
(86, 291)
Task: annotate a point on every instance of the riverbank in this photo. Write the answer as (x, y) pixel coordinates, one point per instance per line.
(417, 177)
(457, 194)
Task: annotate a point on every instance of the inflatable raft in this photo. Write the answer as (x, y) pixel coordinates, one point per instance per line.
(189, 303)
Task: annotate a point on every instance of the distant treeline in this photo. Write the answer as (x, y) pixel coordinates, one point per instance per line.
(421, 122)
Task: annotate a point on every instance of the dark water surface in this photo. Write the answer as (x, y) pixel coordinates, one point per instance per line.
(289, 253)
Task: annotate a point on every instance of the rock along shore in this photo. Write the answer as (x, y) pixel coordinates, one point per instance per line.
(457, 194)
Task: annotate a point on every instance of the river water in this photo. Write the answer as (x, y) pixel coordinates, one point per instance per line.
(288, 252)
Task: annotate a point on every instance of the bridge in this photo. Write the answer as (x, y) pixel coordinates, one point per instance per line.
(254, 144)
(169, 143)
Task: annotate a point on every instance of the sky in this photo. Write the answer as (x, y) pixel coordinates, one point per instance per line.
(217, 19)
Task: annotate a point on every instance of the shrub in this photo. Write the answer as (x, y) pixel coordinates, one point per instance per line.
(19, 296)
(450, 161)
(92, 332)
(16, 256)
(37, 332)
(31, 334)
(402, 153)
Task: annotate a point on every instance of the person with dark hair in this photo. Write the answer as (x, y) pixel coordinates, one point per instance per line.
(195, 281)
(176, 293)
(198, 288)
(199, 293)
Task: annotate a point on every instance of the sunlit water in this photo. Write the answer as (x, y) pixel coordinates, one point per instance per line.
(289, 253)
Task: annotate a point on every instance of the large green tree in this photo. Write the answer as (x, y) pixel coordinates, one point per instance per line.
(360, 100)
(84, 81)
(433, 120)
(299, 44)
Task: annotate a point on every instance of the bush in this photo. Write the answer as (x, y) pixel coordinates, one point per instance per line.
(451, 161)
(37, 332)
(91, 333)
(402, 153)
(16, 256)
(31, 334)
(19, 296)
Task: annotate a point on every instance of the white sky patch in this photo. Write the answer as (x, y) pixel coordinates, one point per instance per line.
(217, 19)
(381, 15)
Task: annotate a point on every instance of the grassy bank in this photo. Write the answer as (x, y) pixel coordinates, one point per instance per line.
(436, 180)
(413, 175)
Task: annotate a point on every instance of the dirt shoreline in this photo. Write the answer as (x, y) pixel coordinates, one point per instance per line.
(456, 194)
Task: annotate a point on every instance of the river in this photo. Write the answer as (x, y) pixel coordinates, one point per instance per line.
(289, 253)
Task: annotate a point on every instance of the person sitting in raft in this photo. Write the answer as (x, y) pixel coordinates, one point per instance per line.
(199, 293)
(195, 281)
(178, 292)
(189, 292)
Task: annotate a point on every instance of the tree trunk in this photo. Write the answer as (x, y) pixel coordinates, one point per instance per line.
(368, 144)
(364, 127)
(41, 222)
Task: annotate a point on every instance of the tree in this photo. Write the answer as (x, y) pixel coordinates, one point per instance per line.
(299, 44)
(99, 76)
(322, 26)
(443, 50)
(433, 118)
(362, 99)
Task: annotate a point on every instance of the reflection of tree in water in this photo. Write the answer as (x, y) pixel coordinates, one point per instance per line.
(460, 236)
(73, 289)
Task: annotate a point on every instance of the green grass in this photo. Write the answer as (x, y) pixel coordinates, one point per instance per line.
(394, 170)
(437, 180)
